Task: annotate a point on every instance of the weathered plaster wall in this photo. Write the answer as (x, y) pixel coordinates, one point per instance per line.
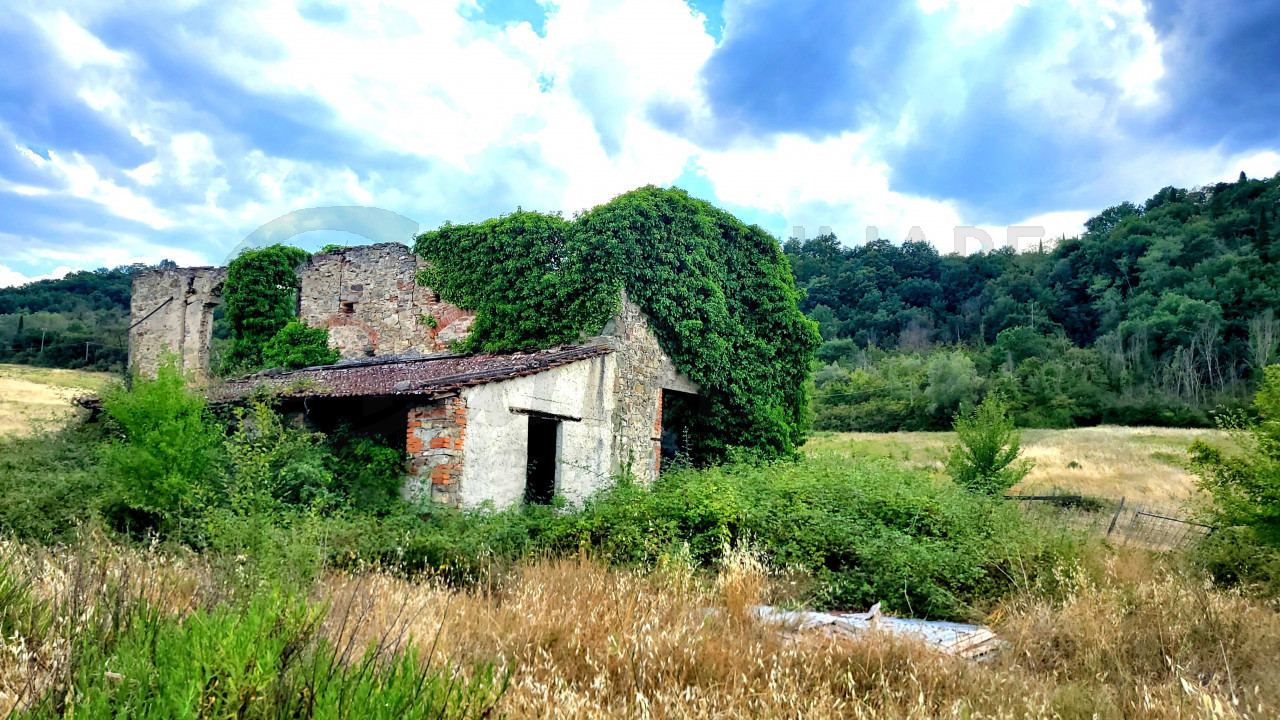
(643, 371)
(497, 436)
(172, 311)
(435, 443)
(368, 298)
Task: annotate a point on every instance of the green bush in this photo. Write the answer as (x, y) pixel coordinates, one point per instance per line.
(259, 299)
(298, 346)
(1246, 486)
(51, 482)
(985, 458)
(164, 453)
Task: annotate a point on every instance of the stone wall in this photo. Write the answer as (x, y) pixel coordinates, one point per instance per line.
(369, 299)
(434, 443)
(172, 311)
(643, 372)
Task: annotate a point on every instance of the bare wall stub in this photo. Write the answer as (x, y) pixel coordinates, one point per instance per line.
(643, 371)
(172, 311)
(369, 300)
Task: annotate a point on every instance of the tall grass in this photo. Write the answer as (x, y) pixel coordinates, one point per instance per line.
(1124, 634)
(99, 631)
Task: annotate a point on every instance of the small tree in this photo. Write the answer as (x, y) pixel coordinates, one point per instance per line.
(985, 458)
(297, 346)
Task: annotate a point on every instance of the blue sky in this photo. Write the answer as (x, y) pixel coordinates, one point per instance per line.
(151, 130)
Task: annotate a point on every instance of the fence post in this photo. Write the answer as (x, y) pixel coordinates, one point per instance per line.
(1115, 517)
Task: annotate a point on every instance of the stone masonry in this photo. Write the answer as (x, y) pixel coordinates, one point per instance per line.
(369, 299)
(172, 312)
(643, 372)
(434, 444)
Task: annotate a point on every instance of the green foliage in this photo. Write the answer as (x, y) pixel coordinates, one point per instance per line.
(985, 458)
(719, 295)
(1152, 316)
(366, 471)
(525, 275)
(270, 466)
(259, 299)
(50, 482)
(262, 658)
(77, 321)
(164, 457)
(298, 346)
(1246, 486)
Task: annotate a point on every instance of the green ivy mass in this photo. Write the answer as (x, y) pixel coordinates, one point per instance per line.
(719, 295)
(260, 298)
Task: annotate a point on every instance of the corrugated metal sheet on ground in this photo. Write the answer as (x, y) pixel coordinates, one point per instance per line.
(959, 639)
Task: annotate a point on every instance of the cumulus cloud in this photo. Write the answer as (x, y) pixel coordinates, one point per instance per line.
(174, 130)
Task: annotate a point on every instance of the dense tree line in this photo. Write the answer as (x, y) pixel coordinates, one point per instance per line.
(1159, 312)
(77, 321)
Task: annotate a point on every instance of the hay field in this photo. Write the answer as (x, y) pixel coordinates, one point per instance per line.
(34, 396)
(1138, 463)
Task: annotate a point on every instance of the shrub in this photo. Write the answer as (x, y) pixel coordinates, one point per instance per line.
(163, 457)
(51, 482)
(298, 346)
(985, 458)
(1246, 486)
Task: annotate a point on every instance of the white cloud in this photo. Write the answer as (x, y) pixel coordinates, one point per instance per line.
(459, 119)
(10, 278)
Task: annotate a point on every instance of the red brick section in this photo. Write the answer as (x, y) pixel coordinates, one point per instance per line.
(434, 439)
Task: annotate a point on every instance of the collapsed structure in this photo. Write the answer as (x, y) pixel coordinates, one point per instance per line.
(477, 428)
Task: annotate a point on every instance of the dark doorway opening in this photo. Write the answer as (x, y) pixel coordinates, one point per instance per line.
(681, 413)
(379, 417)
(540, 472)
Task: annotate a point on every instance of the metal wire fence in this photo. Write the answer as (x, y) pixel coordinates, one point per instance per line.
(1157, 526)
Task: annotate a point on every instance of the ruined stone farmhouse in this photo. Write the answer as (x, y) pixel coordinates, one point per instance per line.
(478, 428)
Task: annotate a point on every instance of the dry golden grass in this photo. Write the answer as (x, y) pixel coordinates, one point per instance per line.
(1127, 637)
(1129, 640)
(31, 397)
(1138, 463)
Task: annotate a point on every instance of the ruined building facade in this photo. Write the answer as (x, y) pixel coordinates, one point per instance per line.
(497, 428)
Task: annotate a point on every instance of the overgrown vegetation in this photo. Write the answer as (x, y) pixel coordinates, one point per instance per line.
(465, 599)
(1245, 487)
(719, 295)
(1157, 315)
(78, 321)
(259, 300)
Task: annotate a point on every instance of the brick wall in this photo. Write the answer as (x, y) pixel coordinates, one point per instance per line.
(434, 438)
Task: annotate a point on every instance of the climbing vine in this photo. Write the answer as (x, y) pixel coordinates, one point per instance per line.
(719, 294)
(259, 299)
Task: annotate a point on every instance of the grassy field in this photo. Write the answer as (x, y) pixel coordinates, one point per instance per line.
(1126, 636)
(31, 396)
(1138, 463)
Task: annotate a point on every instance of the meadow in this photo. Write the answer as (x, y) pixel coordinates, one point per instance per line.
(33, 396)
(1138, 463)
(637, 605)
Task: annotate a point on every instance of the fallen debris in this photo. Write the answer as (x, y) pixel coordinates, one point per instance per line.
(960, 639)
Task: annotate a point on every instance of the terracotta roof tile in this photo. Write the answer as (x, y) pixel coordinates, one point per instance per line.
(417, 376)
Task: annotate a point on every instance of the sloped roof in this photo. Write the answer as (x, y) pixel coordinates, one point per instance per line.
(415, 376)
